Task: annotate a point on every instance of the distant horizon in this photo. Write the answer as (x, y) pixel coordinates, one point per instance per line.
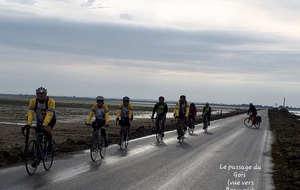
(152, 100)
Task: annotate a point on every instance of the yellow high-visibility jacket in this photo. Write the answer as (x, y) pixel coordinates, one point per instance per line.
(45, 111)
(182, 108)
(101, 113)
(125, 112)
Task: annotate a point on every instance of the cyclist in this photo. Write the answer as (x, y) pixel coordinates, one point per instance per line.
(253, 111)
(192, 113)
(206, 112)
(125, 114)
(181, 111)
(161, 109)
(101, 112)
(44, 109)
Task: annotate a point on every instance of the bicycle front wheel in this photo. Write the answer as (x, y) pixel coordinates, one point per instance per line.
(48, 155)
(31, 159)
(248, 122)
(94, 147)
(191, 129)
(102, 148)
(126, 138)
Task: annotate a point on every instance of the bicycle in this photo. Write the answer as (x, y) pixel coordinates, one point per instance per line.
(124, 138)
(97, 144)
(158, 131)
(205, 123)
(248, 122)
(37, 150)
(180, 129)
(191, 126)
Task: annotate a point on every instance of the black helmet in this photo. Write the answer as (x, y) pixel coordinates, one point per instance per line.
(41, 90)
(126, 99)
(100, 98)
(192, 105)
(182, 96)
(161, 98)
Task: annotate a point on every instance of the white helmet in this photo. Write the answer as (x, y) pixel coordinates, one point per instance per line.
(41, 90)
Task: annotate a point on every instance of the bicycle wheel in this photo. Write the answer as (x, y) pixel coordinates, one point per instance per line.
(48, 155)
(182, 135)
(191, 129)
(94, 146)
(126, 138)
(257, 125)
(158, 135)
(31, 159)
(248, 122)
(102, 148)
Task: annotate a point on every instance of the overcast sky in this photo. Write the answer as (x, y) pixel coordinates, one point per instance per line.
(218, 51)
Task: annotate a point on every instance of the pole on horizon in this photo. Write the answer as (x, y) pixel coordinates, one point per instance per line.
(284, 102)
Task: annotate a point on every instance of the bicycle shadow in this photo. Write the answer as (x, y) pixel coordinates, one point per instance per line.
(183, 145)
(160, 144)
(95, 165)
(208, 133)
(120, 152)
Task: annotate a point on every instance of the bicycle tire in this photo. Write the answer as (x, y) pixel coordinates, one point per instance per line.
(31, 156)
(102, 148)
(126, 138)
(257, 125)
(48, 156)
(205, 123)
(248, 123)
(122, 138)
(94, 147)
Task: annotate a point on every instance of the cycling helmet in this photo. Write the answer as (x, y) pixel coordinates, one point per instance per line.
(126, 99)
(207, 104)
(192, 105)
(41, 90)
(182, 96)
(251, 104)
(100, 98)
(161, 98)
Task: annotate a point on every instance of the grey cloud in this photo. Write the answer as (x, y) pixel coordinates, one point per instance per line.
(126, 16)
(23, 2)
(200, 50)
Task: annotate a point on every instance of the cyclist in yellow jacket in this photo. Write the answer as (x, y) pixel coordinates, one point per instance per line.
(44, 108)
(101, 112)
(125, 114)
(181, 111)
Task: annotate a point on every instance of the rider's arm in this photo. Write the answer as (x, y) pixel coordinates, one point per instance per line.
(50, 112)
(153, 111)
(187, 110)
(130, 111)
(119, 111)
(166, 110)
(106, 114)
(176, 110)
(30, 112)
(91, 114)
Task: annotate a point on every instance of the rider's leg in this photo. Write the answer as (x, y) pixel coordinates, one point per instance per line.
(163, 124)
(157, 124)
(103, 133)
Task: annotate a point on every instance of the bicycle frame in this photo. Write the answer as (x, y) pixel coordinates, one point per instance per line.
(35, 151)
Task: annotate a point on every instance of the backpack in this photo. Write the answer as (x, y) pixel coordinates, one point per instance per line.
(258, 118)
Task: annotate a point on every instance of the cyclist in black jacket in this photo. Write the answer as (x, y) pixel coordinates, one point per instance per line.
(161, 109)
(253, 112)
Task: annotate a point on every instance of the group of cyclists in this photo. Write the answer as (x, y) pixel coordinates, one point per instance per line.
(44, 108)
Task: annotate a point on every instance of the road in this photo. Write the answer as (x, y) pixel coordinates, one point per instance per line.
(230, 156)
